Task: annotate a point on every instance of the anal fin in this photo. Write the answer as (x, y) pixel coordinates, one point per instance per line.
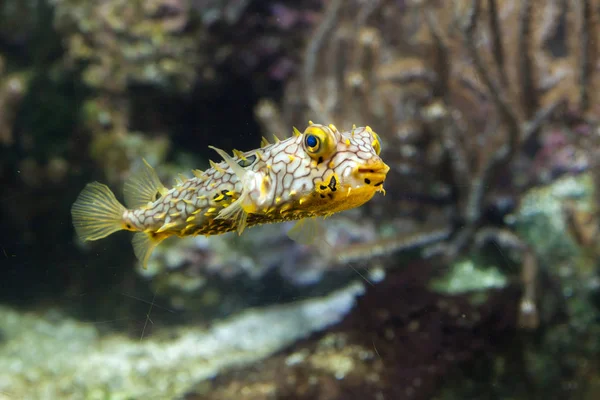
(144, 244)
(143, 187)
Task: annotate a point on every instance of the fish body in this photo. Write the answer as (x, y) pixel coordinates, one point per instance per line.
(319, 172)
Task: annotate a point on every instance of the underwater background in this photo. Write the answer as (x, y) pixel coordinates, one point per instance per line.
(475, 277)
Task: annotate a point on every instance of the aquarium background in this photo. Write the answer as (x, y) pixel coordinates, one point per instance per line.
(474, 277)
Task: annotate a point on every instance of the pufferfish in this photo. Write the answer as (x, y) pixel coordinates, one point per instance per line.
(316, 173)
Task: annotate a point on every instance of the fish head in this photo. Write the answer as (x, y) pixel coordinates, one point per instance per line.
(345, 167)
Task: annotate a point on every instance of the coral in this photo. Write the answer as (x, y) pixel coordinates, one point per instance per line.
(126, 42)
(546, 219)
(107, 83)
(127, 49)
(162, 43)
(56, 357)
(119, 44)
(476, 103)
(462, 98)
(465, 277)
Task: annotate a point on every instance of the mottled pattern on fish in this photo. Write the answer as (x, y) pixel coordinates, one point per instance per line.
(316, 173)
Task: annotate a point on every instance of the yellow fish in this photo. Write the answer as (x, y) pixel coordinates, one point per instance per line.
(315, 173)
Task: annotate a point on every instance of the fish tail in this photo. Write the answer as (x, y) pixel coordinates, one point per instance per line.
(144, 244)
(97, 213)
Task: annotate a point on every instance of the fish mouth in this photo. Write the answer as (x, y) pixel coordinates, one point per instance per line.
(374, 173)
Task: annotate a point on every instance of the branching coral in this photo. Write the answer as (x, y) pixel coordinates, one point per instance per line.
(462, 95)
(509, 64)
(476, 102)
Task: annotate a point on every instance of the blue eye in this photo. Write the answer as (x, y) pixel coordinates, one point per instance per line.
(311, 141)
(319, 142)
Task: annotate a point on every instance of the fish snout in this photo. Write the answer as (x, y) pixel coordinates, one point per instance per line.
(373, 173)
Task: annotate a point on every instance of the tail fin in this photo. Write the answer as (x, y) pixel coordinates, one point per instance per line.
(97, 213)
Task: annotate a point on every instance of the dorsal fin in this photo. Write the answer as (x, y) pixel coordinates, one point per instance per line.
(143, 187)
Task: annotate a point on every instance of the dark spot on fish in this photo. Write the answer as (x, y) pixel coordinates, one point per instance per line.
(330, 195)
(367, 181)
(322, 196)
(320, 160)
(378, 183)
(224, 195)
(128, 226)
(332, 183)
(154, 234)
(248, 161)
(323, 187)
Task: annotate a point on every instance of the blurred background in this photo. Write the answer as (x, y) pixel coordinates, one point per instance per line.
(475, 277)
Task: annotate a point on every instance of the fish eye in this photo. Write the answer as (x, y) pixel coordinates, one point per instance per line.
(319, 141)
(376, 143)
(312, 142)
